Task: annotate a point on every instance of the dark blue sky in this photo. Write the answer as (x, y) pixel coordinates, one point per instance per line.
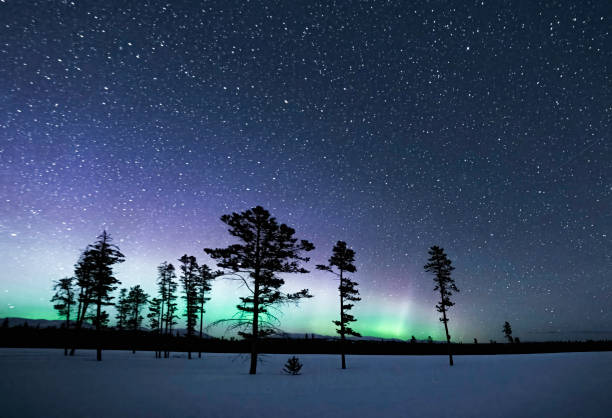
(482, 127)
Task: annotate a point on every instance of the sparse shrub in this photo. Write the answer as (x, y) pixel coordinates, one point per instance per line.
(293, 366)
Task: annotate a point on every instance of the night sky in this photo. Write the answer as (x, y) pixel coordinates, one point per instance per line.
(482, 127)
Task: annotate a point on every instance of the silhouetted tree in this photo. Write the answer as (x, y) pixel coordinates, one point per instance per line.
(189, 279)
(155, 316)
(64, 300)
(475, 341)
(123, 309)
(104, 319)
(171, 315)
(440, 266)
(293, 366)
(266, 248)
(508, 331)
(167, 287)
(413, 340)
(83, 271)
(137, 299)
(429, 339)
(517, 340)
(340, 263)
(204, 286)
(103, 256)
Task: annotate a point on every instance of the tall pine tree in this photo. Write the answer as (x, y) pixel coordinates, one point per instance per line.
(103, 255)
(440, 266)
(64, 299)
(189, 280)
(340, 263)
(204, 286)
(265, 249)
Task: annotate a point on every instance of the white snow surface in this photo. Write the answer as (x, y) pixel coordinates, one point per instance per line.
(44, 383)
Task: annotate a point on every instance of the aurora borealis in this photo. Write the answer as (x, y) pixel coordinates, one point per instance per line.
(482, 127)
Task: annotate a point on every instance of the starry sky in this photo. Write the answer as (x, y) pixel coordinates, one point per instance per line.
(479, 126)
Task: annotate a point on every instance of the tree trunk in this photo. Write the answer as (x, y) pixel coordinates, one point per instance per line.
(190, 327)
(342, 339)
(343, 355)
(67, 331)
(136, 326)
(165, 339)
(98, 330)
(448, 343)
(160, 326)
(79, 320)
(201, 320)
(255, 330)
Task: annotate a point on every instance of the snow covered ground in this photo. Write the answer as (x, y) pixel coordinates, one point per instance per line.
(44, 383)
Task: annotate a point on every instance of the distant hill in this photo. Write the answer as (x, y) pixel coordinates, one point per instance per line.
(295, 335)
(45, 323)
(42, 323)
(183, 331)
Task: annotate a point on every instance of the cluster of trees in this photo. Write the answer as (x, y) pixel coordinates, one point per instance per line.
(90, 288)
(265, 250)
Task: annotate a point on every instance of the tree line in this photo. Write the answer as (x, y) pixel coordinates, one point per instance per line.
(264, 250)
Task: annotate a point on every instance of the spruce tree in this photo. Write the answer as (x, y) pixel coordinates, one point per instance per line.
(440, 266)
(265, 249)
(167, 287)
(136, 300)
(103, 255)
(508, 331)
(123, 309)
(64, 299)
(340, 264)
(189, 279)
(293, 366)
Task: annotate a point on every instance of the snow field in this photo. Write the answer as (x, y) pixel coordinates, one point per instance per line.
(44, 383)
